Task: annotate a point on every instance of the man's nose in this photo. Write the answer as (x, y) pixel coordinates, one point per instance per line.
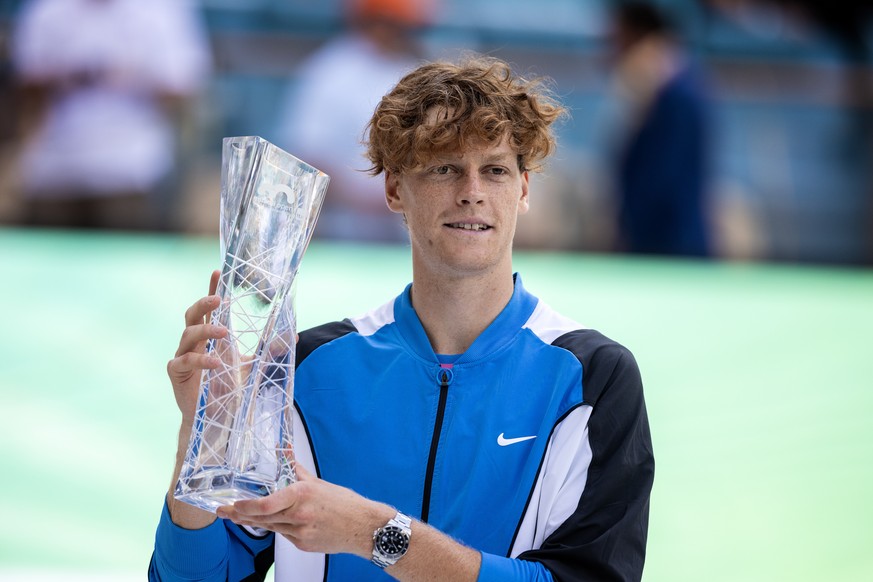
(471, 191)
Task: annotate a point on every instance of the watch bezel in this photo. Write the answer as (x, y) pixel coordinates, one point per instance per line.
(404, 545)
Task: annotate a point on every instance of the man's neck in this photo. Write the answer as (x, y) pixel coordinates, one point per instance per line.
(456, 310)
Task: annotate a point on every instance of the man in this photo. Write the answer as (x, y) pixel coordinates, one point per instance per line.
(662, 170)
(478, 433)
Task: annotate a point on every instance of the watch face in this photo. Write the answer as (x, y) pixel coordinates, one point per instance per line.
(392, 541)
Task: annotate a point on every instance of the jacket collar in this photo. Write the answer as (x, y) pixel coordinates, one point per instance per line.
(500, 333)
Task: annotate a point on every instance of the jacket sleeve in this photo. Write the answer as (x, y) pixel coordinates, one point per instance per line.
(501, 569)
(219, 552)
(604, 539)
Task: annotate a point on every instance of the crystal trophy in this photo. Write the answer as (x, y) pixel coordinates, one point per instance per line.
(241, 443)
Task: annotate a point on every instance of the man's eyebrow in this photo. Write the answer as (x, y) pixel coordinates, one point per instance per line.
(503, 157)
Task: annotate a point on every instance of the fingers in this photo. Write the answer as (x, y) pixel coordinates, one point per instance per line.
(303, 473)
(196, 331)
(197, 312)
(183, 366)
(279, 502)
(213, 282)
(194, 337)
(278, 512)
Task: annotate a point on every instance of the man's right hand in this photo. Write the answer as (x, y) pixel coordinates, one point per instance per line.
(185, 370)
(186, 367)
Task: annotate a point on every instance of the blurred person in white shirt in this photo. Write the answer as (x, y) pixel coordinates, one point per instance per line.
(330, 100)
(104, 78)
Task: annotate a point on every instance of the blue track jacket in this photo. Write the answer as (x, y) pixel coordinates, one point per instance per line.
(533, 447)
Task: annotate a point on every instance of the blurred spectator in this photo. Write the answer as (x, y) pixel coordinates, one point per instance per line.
(102, 79)
(7, 120)
(8, 123)
(662, 166)
(331, 100)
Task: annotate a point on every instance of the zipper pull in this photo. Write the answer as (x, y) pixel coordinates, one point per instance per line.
(444, 377)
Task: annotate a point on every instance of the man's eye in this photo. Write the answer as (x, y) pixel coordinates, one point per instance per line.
(441, 170)
(498, 171)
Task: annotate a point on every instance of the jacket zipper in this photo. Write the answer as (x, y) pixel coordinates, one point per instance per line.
(434, 443)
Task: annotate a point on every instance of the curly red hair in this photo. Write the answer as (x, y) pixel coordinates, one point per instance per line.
(443, 106)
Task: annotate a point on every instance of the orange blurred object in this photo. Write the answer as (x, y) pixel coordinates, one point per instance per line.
(406, 12)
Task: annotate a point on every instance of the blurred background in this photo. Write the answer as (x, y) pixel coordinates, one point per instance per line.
(710, 205)
(784, 87)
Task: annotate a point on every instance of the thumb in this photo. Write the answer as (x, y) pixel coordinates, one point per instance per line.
(303, 473)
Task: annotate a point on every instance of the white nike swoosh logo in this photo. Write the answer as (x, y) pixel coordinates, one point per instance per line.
(504, 442)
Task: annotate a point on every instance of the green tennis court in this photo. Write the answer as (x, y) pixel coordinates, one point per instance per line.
(758, 382)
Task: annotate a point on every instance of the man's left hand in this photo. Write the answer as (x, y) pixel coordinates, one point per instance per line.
(314, 515)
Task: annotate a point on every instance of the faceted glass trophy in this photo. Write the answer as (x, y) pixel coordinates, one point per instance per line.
(241, 443)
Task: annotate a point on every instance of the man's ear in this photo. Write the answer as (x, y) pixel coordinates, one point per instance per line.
(392, 195)
(524, 201)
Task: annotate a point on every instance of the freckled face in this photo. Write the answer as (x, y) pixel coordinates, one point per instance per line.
(461, 209)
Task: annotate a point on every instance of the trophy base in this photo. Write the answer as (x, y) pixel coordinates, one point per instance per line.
(211, 488)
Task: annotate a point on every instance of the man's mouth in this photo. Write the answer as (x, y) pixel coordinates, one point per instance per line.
(468, 225)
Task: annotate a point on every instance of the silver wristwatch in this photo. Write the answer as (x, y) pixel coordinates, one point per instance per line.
(391, 541)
